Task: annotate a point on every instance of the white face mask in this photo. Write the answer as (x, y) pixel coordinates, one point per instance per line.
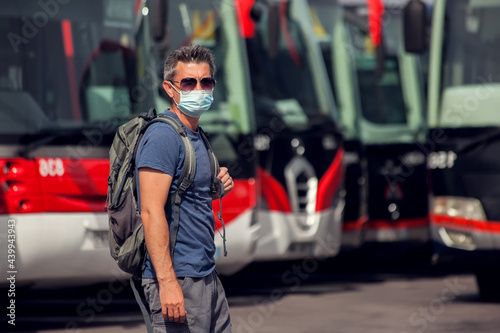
(194, 102)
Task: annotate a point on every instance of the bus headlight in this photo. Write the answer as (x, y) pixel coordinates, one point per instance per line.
(457, 238)
(461, 209)
(466, 208)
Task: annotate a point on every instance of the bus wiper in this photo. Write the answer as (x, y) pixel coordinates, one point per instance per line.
(483, 139)
(46, 136)
(220, 121)
(45, 140)
(117, 121)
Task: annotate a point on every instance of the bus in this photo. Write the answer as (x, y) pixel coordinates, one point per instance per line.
(464, 128)
(71, 73)
(379, 87)
(298, 139)
(328, 25)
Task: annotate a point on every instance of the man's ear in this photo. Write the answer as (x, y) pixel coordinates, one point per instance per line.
(168, 88)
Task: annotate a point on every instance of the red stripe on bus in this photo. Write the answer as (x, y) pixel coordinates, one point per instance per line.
(245, 22)
(70, 65)
(354, 225)
(465, 224)
(273, 192)
(330, 182)
(138, 5)
(375, 20)
(399, 224)
(67, 38)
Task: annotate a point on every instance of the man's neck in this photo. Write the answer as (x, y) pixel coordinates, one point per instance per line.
(189, 122)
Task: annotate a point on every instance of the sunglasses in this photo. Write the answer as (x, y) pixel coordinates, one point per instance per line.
(189, 83)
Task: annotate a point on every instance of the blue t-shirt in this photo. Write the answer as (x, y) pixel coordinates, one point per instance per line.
(162, 149)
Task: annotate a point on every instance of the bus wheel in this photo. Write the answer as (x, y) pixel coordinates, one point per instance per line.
(488, 282)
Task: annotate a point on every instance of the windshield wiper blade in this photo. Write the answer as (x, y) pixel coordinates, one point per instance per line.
(481, 140)
(28, 148)
(220, 121)
(46, 136)
(123, 119)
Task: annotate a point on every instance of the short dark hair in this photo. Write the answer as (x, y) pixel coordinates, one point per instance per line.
(188, 54)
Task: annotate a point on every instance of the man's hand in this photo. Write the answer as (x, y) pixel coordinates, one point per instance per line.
(226, 180)
(172, 302)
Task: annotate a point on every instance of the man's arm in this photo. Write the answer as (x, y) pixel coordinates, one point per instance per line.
(154, 188)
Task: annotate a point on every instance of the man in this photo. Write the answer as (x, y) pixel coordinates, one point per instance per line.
(183, 292)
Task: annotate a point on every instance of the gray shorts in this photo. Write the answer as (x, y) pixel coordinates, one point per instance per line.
(205, 302)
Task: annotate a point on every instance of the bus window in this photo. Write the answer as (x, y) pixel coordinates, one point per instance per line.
(276, 80)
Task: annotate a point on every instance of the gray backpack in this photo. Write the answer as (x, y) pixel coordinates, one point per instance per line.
(126, 234)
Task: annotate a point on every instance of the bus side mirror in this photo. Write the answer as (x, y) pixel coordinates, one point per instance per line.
(159, 13)
(415, 26)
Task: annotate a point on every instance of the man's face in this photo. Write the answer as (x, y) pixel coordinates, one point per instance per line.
(187, 71)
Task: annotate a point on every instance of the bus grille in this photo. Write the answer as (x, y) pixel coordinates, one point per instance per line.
(302, 185)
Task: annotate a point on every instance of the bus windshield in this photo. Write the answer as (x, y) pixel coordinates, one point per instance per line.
(324, 15)
(471, 26)
(66, 65)
(470, 68)
(381, 96)
(282, 80)
(201, 22)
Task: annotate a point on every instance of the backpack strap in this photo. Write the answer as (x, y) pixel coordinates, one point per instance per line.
(143, 305)
(216, 185)
(214, 163)
(187, 174)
